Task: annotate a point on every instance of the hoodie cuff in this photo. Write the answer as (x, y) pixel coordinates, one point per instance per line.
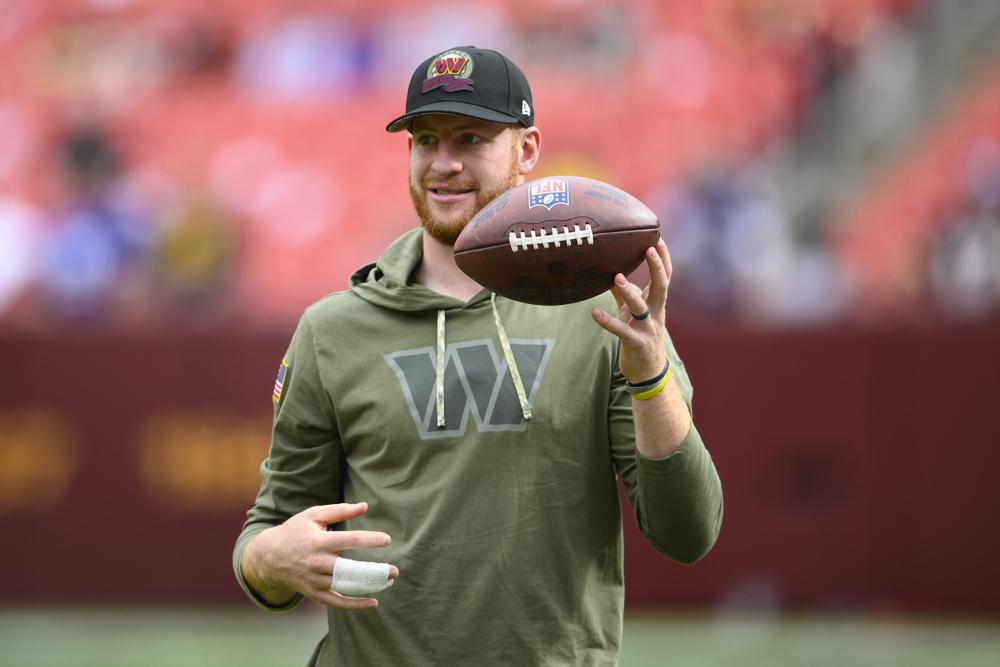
(241, 545)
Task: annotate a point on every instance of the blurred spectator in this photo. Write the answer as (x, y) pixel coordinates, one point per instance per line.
(194, 259)
(736, 255)
(965, 264)
(414, 30)
(696, 220)
(98, 234)
(81, 263)
(577, 34)
(20, 232)
(305, 55)
(88, 159)
(964, 256)
(982, 172)
(193, 40)
(98, 62)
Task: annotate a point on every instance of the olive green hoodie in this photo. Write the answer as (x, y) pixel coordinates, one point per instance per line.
(506, 531)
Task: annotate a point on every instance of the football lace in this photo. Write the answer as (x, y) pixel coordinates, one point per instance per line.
(555, 237)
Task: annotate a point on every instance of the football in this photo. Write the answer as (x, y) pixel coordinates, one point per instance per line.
(556, 240)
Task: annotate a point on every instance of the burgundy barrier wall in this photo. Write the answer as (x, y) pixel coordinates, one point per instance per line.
(859, 468)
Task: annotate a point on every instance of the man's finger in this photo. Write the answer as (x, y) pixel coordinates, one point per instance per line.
(320, 577)
(610, 323)
(618, 299)
(630, 294)
(338, 540)
(658, 279)
(328, 515)
(338, 601)
(360, 578)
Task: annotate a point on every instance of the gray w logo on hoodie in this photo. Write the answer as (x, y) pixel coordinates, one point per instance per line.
(476, 382)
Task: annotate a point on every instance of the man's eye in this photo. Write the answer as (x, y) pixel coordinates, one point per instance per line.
(470, 139)
(425, 139)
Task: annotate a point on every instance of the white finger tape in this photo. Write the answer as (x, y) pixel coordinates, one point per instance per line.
(356, 577)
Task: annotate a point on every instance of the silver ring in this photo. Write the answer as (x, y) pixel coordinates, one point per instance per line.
(641, 316)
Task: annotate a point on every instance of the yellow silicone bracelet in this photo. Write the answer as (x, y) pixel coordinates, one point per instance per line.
(653, 391)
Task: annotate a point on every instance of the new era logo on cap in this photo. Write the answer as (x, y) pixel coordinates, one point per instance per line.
(468, 81)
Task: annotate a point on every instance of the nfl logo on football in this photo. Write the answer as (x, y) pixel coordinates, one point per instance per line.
(548, 192)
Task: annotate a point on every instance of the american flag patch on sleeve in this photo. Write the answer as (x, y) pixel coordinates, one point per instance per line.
(280, 382)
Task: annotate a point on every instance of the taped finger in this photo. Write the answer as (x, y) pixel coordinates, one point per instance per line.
(358, 578)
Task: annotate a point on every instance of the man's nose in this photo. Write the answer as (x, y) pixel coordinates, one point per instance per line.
(447, 159)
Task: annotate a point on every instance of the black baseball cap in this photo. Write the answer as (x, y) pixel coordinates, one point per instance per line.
(468, 81)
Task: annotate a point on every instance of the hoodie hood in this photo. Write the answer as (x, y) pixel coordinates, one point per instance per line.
(387, 283)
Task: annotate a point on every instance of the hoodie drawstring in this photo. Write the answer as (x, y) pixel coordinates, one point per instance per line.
(439, 371)
(508, 354)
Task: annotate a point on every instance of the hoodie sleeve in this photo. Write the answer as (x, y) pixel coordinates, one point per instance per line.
(677, 501)
(303, 467)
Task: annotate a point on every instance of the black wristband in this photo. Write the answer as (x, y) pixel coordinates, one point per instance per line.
(639, 387)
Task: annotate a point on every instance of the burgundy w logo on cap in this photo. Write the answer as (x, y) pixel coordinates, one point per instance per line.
(450, 71)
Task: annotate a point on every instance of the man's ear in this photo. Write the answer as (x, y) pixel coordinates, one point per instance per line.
(530, 149)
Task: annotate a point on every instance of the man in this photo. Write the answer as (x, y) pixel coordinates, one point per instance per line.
(484, 435)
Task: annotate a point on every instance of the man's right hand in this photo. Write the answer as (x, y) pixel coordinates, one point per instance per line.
(298, 557)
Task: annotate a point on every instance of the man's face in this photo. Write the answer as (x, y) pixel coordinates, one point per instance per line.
(457, 166)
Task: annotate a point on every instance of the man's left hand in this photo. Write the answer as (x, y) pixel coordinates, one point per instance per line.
(641, 314)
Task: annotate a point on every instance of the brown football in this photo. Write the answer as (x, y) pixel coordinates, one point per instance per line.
(556, 240)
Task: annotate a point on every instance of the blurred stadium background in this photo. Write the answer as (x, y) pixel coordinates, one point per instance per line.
(179, 179)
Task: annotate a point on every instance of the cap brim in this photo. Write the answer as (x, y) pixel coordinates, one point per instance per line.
(456, 108)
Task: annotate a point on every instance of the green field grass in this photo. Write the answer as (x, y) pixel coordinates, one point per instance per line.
(200, 637)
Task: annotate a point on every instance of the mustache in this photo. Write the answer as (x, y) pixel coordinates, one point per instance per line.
(442, 185)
